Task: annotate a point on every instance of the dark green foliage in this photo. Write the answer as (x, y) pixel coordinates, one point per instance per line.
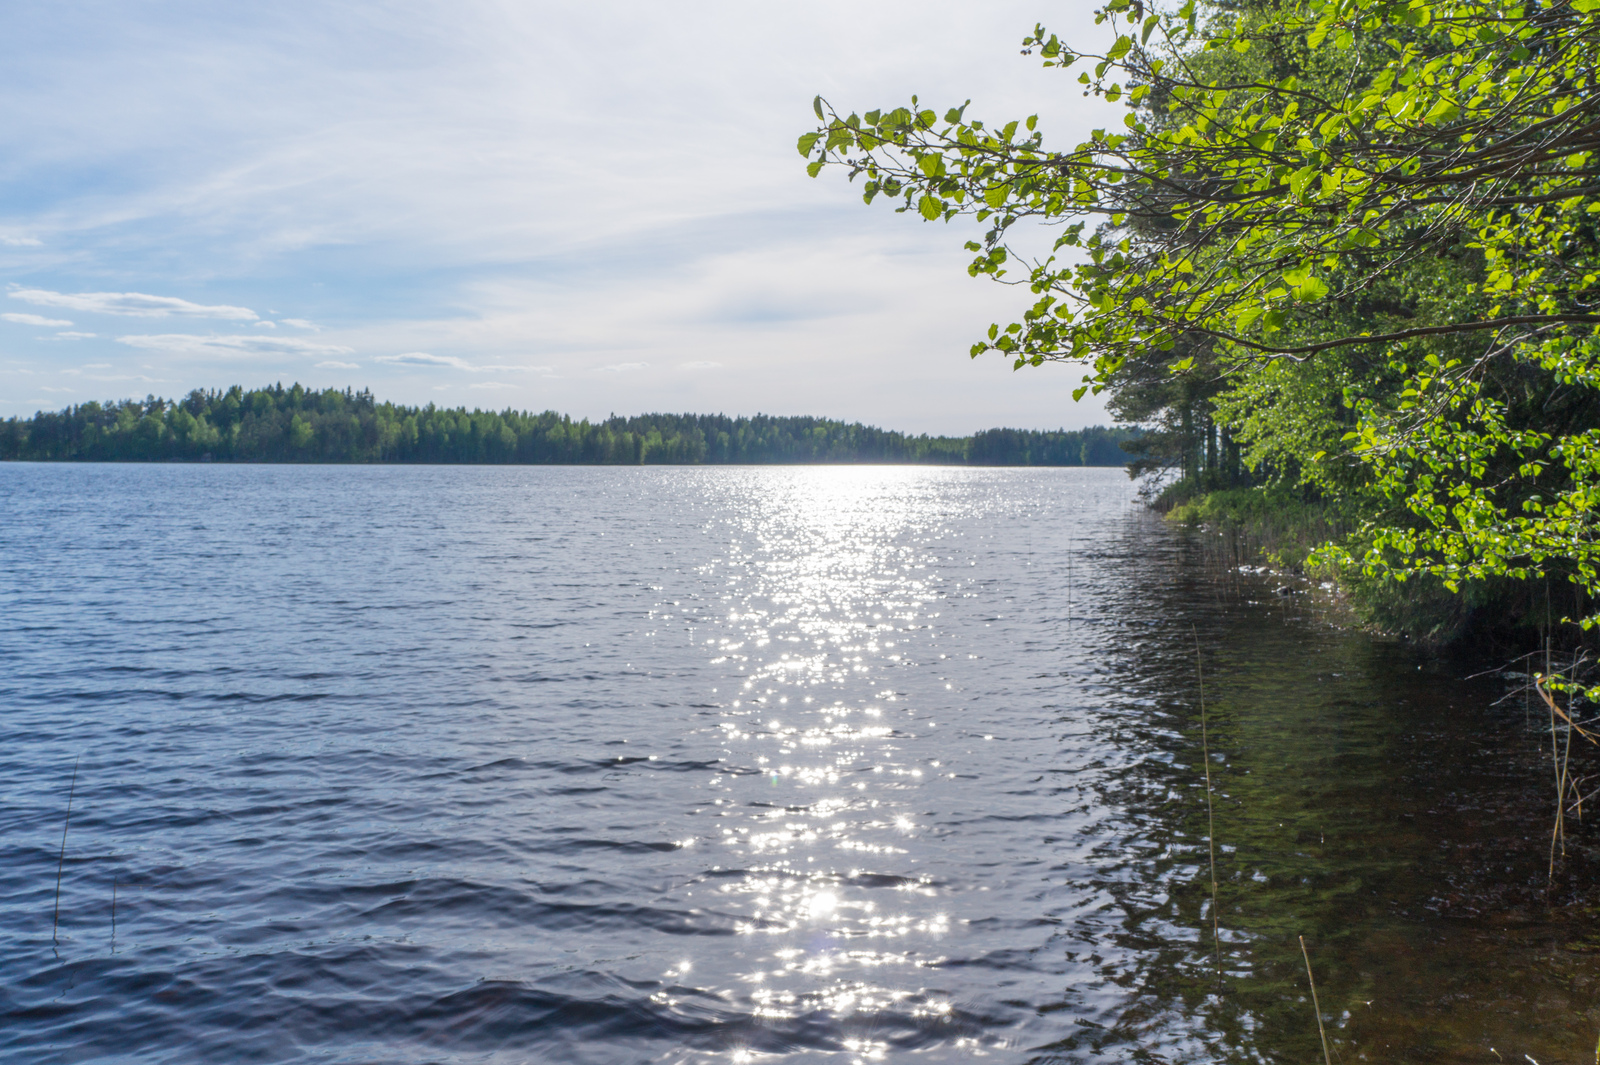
(1027, 447)
(280, 424)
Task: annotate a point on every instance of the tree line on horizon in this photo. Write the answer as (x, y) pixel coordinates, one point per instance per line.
(296, 424)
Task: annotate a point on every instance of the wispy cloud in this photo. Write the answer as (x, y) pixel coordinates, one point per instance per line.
(333, 365)
(373, 188)
(130, 304)
(490, 384)
(75, 336)
(112, 376)
(230, 344)
(33, 319)
(266, 325)
(422, 358)
(699, 364)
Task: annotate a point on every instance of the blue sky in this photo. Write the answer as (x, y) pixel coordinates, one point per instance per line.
(589, 207)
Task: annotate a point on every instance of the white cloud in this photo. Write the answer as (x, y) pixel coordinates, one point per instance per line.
(33, 319)
(266, 325)
(112, 376)
(75, 336)
(22, 242)
(422, 358)
(623, 367)
(230, 344)
(333, 365)
(372, 187)
(699, 364)
(130, 304)
(491, 384)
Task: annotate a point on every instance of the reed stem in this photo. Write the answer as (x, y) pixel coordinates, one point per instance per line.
(1555, 764)
(1566, 784)
(1069, 582)
(1211, 824)
(1322, 1032)
(61, 862)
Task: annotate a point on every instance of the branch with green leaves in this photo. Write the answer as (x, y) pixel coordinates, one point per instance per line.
(1234, 209)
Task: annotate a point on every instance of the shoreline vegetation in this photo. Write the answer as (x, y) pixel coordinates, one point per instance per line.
(1288, 531)
(1341, 255)
(300, 425)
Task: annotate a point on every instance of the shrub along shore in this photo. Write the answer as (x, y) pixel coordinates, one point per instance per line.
(1497, 615)
(297, 424)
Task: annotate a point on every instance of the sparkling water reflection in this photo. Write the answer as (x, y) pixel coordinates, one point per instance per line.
(689, 765)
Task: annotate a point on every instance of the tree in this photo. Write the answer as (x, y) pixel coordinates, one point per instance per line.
(1376, 217)
(301, 425)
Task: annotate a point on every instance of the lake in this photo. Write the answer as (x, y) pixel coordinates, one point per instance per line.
(749, 764)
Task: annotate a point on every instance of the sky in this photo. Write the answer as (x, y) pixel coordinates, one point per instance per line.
(593, 208)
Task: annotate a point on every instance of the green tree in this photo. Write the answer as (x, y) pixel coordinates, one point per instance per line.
(1373, 221)
(299, 425)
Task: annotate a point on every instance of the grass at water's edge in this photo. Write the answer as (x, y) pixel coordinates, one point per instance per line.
(1279, 530)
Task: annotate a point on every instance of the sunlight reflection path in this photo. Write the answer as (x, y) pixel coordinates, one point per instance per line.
(829, 588)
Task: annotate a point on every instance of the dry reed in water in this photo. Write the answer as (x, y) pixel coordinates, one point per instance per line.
(61, 862)
(1562, 761)
(1211, 824)
(1322, 1032)
(1558, 830)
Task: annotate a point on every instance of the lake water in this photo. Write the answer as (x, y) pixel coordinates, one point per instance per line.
(737, 765)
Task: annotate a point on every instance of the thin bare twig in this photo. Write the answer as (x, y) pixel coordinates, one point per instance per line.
(1326, 1057)
(1211, 824)
(55, 921)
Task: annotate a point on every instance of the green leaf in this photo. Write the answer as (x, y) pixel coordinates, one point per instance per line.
(1447, 110)
(816, 105)
(930, 207)
(808, 141)
(1310, 288)
(1119, 49)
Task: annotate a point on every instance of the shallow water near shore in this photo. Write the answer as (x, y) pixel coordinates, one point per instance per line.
(622, 765)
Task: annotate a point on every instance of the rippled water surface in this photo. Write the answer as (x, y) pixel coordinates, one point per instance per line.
(683, 765)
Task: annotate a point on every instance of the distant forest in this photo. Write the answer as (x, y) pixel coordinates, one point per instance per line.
(296, 424)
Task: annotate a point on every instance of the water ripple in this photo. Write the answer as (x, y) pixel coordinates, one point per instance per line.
(732, 765)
